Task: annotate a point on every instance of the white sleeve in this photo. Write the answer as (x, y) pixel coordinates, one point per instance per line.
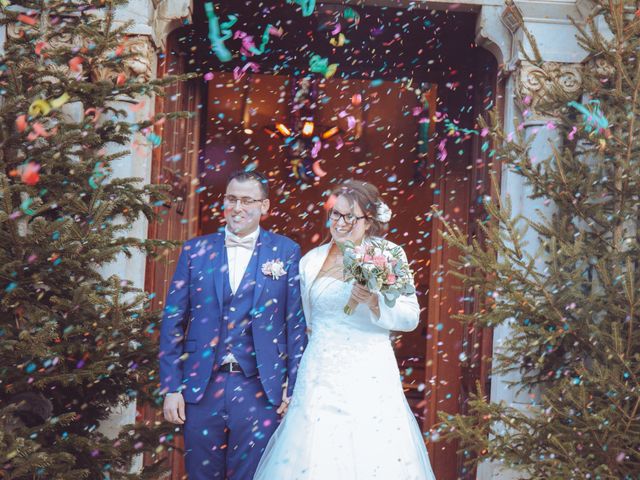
(402, 317)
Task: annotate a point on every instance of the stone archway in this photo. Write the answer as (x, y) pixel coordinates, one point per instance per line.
(451, 356)
(495, 30)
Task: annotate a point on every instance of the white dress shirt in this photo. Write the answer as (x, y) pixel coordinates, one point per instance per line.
(238, 259)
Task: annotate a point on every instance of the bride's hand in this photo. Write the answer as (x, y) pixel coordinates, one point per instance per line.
(284, 406)
(361, 294)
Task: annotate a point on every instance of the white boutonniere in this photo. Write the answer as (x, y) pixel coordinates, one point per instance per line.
(275, 268)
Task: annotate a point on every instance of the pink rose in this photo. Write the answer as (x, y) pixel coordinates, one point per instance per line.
(391, 279)
(379, 261)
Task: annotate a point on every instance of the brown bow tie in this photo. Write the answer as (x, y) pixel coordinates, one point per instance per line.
(246, 242)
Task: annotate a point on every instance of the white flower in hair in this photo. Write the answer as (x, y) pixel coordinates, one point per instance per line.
(383, 213)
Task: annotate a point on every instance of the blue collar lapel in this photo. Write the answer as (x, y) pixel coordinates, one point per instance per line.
(219, 268)
(265, 253)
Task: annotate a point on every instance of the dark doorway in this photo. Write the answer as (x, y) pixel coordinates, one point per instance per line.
(407, 88)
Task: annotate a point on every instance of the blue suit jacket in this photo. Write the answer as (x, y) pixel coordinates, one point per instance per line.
(191, 324)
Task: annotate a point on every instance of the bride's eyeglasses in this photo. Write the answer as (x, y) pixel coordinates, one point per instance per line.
(348, 218)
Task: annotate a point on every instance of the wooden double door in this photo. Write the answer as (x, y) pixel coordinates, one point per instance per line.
(382, 130)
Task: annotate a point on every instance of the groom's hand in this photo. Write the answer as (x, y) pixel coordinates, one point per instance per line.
(173, 408)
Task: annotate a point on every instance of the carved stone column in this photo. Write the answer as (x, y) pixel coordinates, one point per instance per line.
(533, 86)
(141, 66)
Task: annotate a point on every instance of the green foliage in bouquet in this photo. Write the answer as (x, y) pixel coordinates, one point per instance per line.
(380, 266)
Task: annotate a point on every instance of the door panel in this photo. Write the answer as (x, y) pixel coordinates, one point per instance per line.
(175, 165)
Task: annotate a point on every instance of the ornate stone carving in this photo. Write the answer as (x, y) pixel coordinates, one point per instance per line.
(541, 87)
(139, 65)
(18, 30)
(603, 73)
(602, 68)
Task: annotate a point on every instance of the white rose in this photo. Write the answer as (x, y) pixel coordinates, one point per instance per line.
(277, 269)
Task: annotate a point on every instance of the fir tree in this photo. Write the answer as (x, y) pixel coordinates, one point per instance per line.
(73, 344)
(575, 320)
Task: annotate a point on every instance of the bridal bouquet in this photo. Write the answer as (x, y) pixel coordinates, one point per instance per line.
(380, 267)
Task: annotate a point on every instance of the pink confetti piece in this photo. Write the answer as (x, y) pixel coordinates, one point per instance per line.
(238, 74)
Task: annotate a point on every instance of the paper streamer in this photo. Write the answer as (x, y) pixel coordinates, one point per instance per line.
(307, 6)
(154, 139)
(239, 73)
(317, 64)
(442, 150)
(593, 118)
(351, 14)
(43, 107)
(27, 19)
(21, 123)
(452, 127)
(60, 101)
(269, 30)
(38, 130)
(97, 175)
(39, 107)
(317, 145)
(75, 64)
(24, 206)
(218, 34)
(339, 41)
(29, 173)
(92, 111)
(317, 169)
(247, 43)
(248, 47)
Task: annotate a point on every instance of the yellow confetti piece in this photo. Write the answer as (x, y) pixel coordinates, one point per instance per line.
(39, 107)
(338, 41)
(331, 70)
(60, 101)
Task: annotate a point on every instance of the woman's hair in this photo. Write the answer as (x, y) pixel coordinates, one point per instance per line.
(368, 198)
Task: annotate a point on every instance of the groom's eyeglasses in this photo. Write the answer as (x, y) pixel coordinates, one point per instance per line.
(348, 218)
(231, 201)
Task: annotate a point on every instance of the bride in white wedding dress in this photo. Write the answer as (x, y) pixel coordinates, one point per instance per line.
(348, 418)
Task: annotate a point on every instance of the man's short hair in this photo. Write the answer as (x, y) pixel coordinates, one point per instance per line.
(242, 176)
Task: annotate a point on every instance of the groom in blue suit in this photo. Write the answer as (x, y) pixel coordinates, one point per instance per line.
(232, 335)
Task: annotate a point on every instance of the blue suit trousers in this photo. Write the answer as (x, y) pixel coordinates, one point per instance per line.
(227, 431)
